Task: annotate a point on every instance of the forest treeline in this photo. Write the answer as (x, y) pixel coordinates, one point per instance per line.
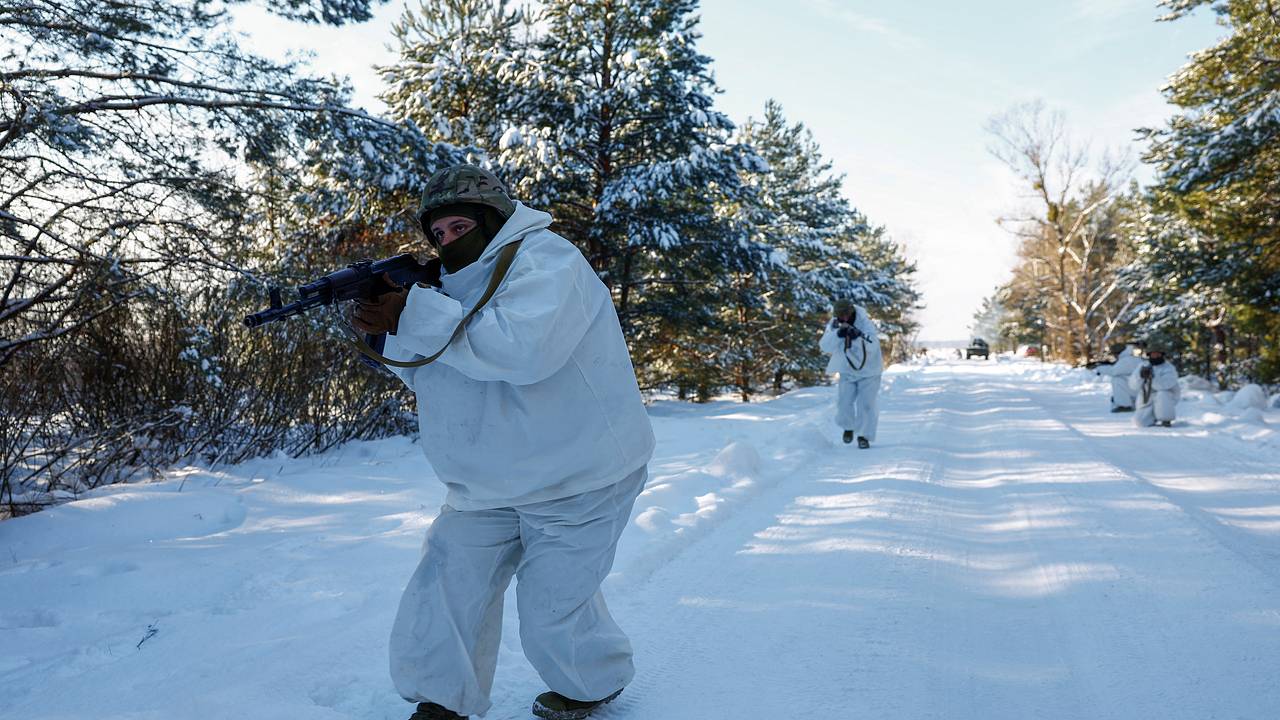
(1190, 263)
(156, 178)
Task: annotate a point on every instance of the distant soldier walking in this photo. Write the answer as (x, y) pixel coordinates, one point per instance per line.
(853, 342)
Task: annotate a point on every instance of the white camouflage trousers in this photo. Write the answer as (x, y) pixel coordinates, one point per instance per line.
(858, 406)
(444, 643)
(1121, 395)
(1163, 406)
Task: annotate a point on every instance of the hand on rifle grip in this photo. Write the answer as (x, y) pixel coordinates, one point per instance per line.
(848, 332)
(382, 314)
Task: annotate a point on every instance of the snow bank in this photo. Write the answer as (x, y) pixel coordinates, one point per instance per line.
(1243, 414)
(120, 516)
(1195, 382)
(712, 460)
(1249, 397)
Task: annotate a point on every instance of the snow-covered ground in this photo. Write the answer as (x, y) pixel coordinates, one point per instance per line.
(1008, 549)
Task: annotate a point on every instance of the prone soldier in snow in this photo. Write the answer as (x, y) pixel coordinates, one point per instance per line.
(530, 415)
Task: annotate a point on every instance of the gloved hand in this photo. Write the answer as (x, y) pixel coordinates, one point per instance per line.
(1145, 372)
(849, 332)
(381, 315)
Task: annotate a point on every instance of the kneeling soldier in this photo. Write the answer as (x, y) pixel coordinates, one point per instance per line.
(1155, 385)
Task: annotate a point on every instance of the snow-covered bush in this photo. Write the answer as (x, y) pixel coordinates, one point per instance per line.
(151, 171)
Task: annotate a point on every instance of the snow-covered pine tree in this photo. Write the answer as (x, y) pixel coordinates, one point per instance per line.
(1218, 160)
(618, 139)
(638, 156)
(890, 288)
(453, 77)
(1181, 280)
(800, 213)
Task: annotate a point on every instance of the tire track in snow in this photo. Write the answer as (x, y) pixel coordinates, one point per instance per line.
(1214, 529)
(978, 564)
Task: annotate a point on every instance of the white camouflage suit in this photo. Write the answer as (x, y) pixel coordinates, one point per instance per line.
(533, 421)
(859, 367)
(1119, 372)
(1160, 404)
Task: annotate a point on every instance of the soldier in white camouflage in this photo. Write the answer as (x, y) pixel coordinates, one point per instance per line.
(853, 342)
(531, 416)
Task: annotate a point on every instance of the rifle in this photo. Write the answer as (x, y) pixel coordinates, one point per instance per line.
(358, 281)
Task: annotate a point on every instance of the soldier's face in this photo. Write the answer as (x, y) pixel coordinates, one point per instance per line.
(450, 228)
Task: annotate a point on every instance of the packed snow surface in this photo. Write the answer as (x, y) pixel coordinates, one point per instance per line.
(1007, 550)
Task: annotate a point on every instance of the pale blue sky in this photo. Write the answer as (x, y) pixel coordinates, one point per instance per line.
(897, 95)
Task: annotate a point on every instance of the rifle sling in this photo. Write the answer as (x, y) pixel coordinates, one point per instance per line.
(847, 345)
(506, 256)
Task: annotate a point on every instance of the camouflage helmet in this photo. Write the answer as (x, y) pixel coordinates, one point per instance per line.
(841, 307)
(465, 184)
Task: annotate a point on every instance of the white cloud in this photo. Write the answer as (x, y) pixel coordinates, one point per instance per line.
(1107, 10)
(865, 23)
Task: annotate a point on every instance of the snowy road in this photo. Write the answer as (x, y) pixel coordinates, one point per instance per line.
(1004, 552)
(1007, 550)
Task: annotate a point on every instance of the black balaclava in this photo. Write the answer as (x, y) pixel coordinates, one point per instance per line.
(468, 248)
(1156, 358)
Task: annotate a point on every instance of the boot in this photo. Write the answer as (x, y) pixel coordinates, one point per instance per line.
(848, 436)
(1122, 408)
(554, 706)
(1166, 423)
(432, 711)
(863, 443)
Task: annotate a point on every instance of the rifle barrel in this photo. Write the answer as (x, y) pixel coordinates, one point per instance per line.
(362, 280)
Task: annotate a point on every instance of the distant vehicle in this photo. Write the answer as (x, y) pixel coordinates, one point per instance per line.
(1031, 351)
(978, 347)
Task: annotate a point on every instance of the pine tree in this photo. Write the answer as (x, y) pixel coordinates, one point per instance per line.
(454, 78)
(800, 214)
(820, 249)
(624, 100)
(1215, 235)
(617, 137)
(890, 291)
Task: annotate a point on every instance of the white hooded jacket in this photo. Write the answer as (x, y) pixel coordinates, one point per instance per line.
(1124, 365)
(863, 357)
(536, 399)
(1164, 379)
